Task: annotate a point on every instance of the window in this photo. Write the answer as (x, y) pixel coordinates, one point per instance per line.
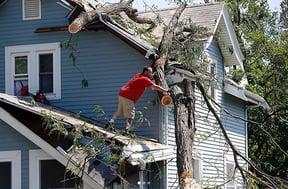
(47, 173)
(31, 9)
(5, 174)
(30, 68)
(20, 75)
(46, 72)
(197, 169)
(10, 169)
(230, 177)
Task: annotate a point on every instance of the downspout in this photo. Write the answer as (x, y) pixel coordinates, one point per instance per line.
(246, 134)
(142, 166)
(163, 138)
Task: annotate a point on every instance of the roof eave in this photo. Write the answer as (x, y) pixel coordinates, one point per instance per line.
(148, 49)
(232, 35)
(254, 100)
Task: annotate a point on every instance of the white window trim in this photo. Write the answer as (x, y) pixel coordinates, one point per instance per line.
(199, 158)
(35, 156)
(32, 51)
(34, 167)
(15, 158)
(229, 159)
(31, 18)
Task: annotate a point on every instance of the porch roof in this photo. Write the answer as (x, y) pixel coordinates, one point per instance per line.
(135, 150)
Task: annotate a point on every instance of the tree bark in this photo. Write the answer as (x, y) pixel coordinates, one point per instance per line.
(183, 99)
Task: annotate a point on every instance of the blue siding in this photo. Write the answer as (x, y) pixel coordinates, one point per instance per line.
(11, 140)
(106, 61)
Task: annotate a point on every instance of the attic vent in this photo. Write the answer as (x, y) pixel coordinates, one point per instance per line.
(31, 9)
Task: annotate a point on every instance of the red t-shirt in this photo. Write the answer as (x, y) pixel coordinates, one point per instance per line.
(135, 87)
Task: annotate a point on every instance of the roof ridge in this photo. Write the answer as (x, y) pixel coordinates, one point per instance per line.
(189, 6)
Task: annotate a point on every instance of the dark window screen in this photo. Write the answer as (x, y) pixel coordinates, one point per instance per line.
(52, 175)
(46, 73)
(5, 175)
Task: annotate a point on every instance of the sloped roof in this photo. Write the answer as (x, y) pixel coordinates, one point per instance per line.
(205, 15)
(214, 17)
(134, 149)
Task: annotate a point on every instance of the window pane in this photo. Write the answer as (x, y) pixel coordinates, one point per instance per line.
(46, 63)
(5, 175)
(21, 65)
(46, 83)
(229, 174)
(21, 87)
(46, 73)
(196, 169)
(52, 175)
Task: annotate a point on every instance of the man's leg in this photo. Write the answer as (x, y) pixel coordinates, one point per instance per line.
(119, 111)
(129, 113)
(128, 123)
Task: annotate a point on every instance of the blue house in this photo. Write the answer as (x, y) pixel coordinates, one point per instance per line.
(33, 57)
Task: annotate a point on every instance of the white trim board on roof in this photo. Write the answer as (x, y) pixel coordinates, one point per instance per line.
(231, 33)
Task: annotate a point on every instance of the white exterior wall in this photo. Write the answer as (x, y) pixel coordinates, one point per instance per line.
(210, 145)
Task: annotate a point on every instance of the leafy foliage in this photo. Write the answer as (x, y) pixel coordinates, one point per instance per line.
(236, 75)
(265, 47)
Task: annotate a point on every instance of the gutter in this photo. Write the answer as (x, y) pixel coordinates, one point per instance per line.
(258, 100)
(232, 88)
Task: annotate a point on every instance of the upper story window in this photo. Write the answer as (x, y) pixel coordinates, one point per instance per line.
(31, 9)
(32, 68)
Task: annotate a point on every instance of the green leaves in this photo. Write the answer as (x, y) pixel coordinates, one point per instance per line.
(85, 83)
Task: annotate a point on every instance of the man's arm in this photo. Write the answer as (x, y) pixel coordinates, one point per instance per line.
(159, 88)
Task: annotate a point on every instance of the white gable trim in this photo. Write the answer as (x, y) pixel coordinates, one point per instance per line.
(23, 130)
(232, 35)
(15, 158)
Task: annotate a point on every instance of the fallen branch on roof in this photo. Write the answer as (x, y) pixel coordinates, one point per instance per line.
(96, 11)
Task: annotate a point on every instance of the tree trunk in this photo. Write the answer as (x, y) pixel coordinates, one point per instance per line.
(184, 131)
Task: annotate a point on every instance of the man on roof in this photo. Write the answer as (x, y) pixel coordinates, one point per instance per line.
(131, 92)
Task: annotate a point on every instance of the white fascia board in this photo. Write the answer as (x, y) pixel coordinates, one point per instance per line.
(150, 157)
(245, 95)
(237, 92)
(23, 130)
(232, 36)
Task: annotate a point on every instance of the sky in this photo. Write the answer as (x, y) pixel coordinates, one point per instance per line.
(274, 4)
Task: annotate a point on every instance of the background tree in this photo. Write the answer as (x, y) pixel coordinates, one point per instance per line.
(264, 42)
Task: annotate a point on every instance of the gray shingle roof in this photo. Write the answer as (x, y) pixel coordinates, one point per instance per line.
(205, 15)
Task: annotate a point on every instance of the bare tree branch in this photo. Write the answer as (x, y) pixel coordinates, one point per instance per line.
(167, 38)
(92, 14)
